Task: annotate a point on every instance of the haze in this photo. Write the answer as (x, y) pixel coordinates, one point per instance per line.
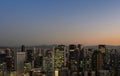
(38, 22)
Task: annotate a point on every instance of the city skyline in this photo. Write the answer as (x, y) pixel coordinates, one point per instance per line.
(59, 22)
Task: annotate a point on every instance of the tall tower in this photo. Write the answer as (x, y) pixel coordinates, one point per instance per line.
(10, 63)
(23, 48)
(59, 57)
(48, 63)
(97, 61)
(60, 60)
(73, 59)
(20, 58)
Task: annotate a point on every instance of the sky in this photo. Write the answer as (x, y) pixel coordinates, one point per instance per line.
(40, 22)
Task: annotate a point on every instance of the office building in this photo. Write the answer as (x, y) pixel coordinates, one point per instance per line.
(48, 63)
(73, 59)
(20, 58)
(97, 61)
(59, 57)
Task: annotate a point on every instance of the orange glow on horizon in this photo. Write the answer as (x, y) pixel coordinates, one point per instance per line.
(96, 41)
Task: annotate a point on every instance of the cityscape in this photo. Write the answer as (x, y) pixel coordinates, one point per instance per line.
(59, 37)
(60, 60)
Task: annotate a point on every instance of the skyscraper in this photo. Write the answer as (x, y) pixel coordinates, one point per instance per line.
(60, 59)
(48, 63)
(23, 48)
(20, 58)
(73, 59)
(97, 60)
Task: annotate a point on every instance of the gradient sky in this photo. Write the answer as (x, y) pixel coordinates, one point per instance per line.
(37, 22)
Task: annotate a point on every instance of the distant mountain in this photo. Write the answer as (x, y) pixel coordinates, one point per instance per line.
(51, 46)
(107, 46)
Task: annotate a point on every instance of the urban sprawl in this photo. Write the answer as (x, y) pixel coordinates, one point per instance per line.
(60, 60)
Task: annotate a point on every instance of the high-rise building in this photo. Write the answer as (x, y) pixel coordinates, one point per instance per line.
(81, 60)
(48, 63)
(23, 48)
(107, 61)
(61, 60)
(29, 56)
(97, 61)
(38, 62)
(73, 59)
(59, 57)
(20, 58)
(10, 63)
(2, 58)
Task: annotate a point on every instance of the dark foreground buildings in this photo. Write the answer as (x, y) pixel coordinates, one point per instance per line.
(60, 60)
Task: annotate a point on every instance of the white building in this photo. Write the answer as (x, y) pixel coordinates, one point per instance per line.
(20, 58)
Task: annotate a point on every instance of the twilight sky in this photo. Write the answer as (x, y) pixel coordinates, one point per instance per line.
(37, 22)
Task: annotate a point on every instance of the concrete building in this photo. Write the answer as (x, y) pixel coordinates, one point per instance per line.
(97, 61)
(20, 58)
(48, 63)
(59, 57)
(74, 59)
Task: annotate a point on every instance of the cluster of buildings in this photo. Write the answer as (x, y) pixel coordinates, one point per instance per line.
(60, 60)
